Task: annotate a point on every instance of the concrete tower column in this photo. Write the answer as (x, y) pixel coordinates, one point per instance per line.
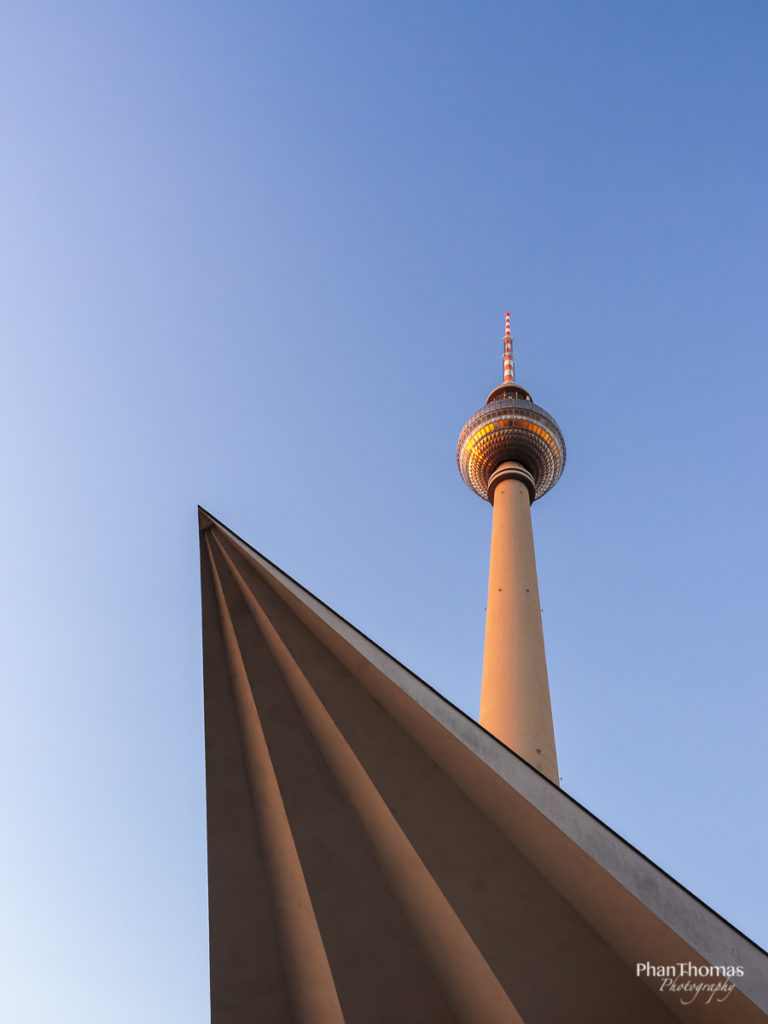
(510, 453)
(514, 701)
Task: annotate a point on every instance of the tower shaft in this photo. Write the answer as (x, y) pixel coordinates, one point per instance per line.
(514, 702)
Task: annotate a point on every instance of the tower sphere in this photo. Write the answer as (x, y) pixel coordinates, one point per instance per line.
(510, 428)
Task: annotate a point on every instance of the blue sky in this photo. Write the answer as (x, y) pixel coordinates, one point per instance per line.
(257, 256)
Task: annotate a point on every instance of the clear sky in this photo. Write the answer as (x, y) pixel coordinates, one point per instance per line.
(257, 256)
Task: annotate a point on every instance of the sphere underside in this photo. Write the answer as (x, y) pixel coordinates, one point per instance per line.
(510, 430)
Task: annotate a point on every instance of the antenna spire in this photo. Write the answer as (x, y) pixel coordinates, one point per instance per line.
(509, 359)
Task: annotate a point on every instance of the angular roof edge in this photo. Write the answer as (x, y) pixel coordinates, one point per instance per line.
(700, 927)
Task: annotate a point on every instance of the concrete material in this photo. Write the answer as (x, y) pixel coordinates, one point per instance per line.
(310, 985)
(514, 703)
(556, 905)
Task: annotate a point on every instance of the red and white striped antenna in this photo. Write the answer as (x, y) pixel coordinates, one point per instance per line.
(509, 359)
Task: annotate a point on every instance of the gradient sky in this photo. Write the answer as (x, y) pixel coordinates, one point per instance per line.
(257, 256)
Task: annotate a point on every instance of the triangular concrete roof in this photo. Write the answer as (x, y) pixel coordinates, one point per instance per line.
(375, 855)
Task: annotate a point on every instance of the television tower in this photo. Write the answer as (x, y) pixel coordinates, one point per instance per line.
(511, 452)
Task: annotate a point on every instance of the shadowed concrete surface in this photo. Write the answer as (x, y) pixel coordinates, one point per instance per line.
(376, 856)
